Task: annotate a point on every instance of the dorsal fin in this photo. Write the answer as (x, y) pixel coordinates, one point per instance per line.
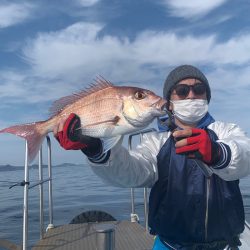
(99, 84)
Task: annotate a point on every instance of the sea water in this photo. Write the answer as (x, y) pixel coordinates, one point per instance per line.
(75, 189)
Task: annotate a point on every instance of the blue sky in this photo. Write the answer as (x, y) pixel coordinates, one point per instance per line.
(49, 49)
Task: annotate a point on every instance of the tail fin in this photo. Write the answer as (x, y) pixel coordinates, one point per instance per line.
(31, 134)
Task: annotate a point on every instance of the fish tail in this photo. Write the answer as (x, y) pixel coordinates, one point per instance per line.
(31, 133)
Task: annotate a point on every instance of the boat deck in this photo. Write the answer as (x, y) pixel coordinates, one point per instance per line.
(128, 235)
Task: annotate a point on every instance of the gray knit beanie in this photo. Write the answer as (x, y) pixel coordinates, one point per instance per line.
(183, 72)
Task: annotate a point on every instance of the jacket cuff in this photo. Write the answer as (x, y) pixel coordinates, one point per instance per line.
(100, 159)
(224, 156)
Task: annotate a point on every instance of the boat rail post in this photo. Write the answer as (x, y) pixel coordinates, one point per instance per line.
(50, 225)
(133, 216)
(25, 199)
(40, 168)
(145, 193)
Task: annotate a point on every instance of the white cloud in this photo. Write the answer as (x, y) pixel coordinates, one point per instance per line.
(87, 3)
(53, 54)
(25, 87)
(168, 48)
(65, 61)
(233, 51)
(192, 8)
(14, 13)
(78, 51)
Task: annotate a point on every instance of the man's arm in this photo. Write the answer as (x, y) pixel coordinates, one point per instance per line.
(238, 143)
(117, 166)
(137, 168)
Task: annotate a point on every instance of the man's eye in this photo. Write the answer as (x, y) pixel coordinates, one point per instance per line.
(139, 95)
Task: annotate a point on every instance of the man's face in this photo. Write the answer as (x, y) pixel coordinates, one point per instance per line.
(181, 91)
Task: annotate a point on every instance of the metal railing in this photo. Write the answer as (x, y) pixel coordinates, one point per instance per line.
(134, 216)
(40, 183)
(27, 186)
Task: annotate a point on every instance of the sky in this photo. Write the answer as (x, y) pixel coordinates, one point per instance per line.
(50, 49)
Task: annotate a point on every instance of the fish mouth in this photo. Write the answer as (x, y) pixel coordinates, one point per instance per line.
(160, 105)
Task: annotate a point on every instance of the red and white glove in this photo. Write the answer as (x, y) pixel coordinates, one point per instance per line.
(67, 137)
(70, 137)
(196, 143)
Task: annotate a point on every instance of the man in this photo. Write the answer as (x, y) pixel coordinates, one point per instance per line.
(187, 209)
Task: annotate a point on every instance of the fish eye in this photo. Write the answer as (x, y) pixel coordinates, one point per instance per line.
(139, 95)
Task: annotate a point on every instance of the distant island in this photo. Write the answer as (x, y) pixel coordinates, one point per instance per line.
(8, 167)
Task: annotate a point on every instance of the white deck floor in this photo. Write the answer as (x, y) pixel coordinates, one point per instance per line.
(128, 236)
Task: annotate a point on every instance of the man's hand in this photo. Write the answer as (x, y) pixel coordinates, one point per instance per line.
(196, 143)
(69, 135)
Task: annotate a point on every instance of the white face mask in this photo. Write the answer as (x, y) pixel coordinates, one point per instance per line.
(190, 111)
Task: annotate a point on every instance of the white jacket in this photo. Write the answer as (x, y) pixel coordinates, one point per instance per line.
(138, 168)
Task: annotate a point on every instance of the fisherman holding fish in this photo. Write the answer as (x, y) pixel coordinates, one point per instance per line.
(187, 208)
(192, 165)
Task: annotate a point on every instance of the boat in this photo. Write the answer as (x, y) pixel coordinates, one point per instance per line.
(91, 230)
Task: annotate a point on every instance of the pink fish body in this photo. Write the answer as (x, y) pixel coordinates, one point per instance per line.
(106, 111)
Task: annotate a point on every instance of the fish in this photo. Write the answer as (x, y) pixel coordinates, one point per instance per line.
(105, 110)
